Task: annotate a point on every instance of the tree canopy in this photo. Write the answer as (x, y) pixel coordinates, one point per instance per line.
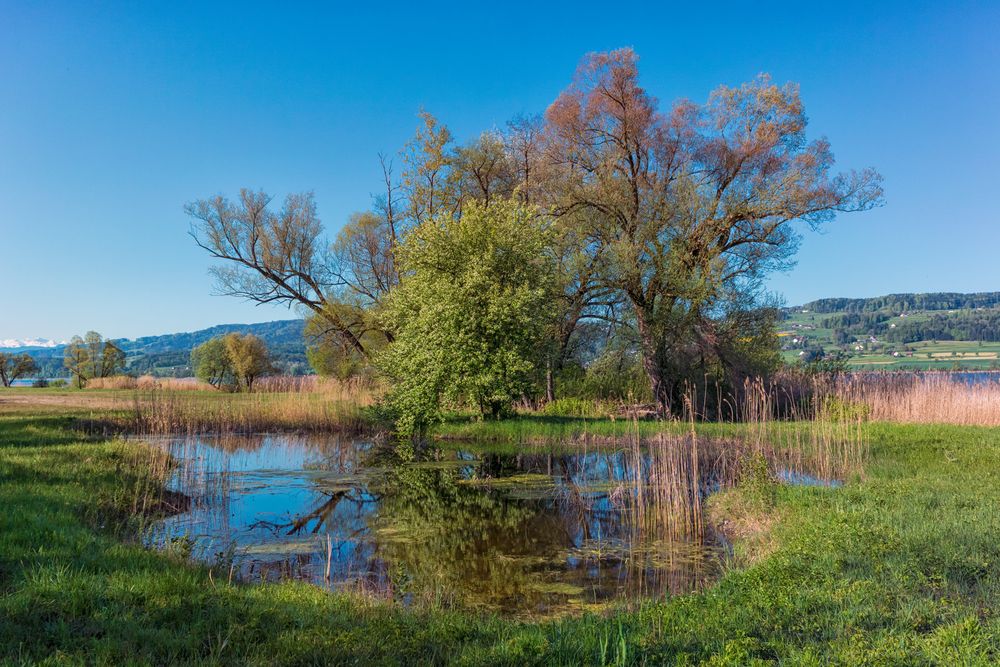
(469, 313)
(657, 225)
(93, 357)
(14, 366)
(233, 361)
(691, 207)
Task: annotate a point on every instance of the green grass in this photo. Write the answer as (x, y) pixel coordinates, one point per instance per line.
(537, 428)
(902, 567)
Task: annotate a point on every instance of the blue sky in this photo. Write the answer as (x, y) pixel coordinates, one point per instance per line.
(113, 115)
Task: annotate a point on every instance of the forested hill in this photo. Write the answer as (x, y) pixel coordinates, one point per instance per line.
(905, 302)
(278, 335)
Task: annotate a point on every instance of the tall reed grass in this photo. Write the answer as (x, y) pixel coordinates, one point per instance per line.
(291, 404)
(148, 382)
(673, 472)
(922, 398)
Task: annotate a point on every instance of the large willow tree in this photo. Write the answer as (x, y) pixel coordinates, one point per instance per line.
(689, 207)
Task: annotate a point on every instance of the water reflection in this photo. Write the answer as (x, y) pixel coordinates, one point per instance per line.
(526, 534)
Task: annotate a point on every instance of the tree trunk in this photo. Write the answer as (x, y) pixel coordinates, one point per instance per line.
(550, 385)
(654, 357)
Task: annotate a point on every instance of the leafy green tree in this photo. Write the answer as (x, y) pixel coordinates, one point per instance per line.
(210, 362)
(470, 312)
(92, 357)
(233, 361)
(248, 357)
(14, 366)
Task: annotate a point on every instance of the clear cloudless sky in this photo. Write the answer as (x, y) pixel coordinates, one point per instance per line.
(113, 115)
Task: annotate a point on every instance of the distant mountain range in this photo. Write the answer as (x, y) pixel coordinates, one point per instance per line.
(29, 343)
(170, 354)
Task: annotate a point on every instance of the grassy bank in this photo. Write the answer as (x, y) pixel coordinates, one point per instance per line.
(901, 568)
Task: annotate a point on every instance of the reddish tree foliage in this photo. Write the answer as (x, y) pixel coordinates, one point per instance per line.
(690, 207)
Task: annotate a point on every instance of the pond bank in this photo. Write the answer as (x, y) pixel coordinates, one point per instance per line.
(903, 566)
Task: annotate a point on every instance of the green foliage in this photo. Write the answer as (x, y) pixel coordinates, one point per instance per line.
(233, 361)
(211, 364)
(327, 351)
(93, 357)
(470, 312)
(14, 366)
(574, 407)
(906, 302)
(757, 484)
(616, 374)
(839, 409)
(748, 344)
(248, 357)
(822, 364)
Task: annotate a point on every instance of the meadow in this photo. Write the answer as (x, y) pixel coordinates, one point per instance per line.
(898, 566)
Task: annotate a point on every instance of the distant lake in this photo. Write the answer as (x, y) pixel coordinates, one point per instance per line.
(975, 377)
(27, 382)
(963, 377)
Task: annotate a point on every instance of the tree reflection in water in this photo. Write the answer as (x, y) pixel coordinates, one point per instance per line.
(531, 533)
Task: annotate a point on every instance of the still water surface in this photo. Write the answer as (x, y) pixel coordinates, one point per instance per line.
(526, 534)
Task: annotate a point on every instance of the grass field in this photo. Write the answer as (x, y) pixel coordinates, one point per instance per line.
(926, 355)
(900, 567)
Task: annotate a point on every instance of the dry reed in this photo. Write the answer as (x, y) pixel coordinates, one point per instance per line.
(671, 474)
(147, 382)
(922, 398)
(310, 405)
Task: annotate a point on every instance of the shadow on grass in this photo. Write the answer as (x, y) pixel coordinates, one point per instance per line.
(39, 431)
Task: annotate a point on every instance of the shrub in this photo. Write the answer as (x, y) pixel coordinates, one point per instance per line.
(575, 407)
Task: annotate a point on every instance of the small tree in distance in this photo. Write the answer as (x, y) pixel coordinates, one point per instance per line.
(92, 357)
(233, 361)
(14, 366)
(249, 358)
(210, 363)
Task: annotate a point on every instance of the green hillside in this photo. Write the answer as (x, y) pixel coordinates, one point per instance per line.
(936, 331)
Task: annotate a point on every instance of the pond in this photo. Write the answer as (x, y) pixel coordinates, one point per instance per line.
(528, 534)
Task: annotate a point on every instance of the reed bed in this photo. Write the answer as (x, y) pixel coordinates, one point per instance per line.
(672, 473)
(922, 398)
(818, 436)
(326, 405)
(148, 382)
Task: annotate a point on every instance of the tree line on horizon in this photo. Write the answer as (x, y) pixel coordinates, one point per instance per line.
(608, 230)
(901, 303)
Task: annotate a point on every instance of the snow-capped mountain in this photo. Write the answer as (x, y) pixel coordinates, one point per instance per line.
(29, 342)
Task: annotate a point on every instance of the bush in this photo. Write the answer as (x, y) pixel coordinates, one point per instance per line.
(575, 407)
(617, 374)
